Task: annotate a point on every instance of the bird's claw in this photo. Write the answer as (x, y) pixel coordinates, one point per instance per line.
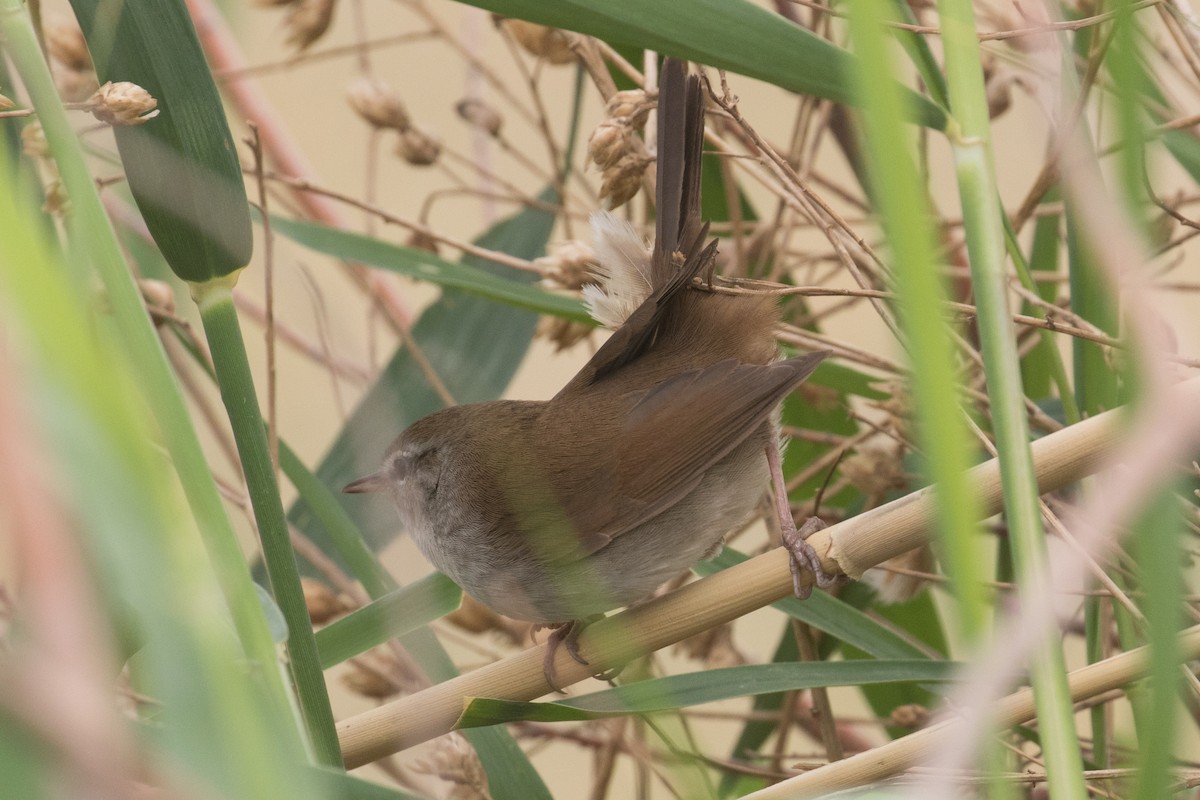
(804, 557)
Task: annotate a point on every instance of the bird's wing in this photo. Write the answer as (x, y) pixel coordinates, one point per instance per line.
(671, 436)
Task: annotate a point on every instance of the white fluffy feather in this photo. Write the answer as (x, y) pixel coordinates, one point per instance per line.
(623, 270)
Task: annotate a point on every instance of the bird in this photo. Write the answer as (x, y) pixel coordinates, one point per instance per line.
(558, 511)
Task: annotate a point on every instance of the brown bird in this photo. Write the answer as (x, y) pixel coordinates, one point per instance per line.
(557, 511)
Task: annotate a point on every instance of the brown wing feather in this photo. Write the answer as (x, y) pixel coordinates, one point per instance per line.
(672, 434)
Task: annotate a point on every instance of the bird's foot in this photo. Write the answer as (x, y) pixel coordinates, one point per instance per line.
(565, 634)
(804, 557)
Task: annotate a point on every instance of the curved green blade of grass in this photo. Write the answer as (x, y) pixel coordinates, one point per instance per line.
(182, 166)
(736, 35)
(502, 287)
(231, 364)
(393, 615)
(907, 218)
(681, 691)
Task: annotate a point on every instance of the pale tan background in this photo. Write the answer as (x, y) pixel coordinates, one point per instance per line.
(313, 297)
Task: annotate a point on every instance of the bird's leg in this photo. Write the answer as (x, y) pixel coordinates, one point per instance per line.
(803, 554)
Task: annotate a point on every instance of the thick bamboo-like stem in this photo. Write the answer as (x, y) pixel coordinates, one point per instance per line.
(849, 548)
(1014, 709)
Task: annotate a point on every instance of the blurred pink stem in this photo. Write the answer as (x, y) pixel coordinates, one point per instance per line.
(225, 55)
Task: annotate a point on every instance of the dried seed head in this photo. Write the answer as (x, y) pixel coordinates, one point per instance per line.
(564, 333)
(58, 202)
(66, 44)
(369, 682)
(898, 408)
(911, 716)
(33, 141)
(6, 102)
(633, 105)
(417, 148)
(998, 84)
(472, 616)
(622, 180)
(875, 471)
(715, 647)
(307, 21)
(1161, 229)
(122, 103)
(422, 241)
(570, 266)
(549, 43)
(74, 86)
(160, 295)
(999, 97)
(480, 115)
(475, 617)
(610, 142)
(378, 103)
(319, 599)
(454, 760)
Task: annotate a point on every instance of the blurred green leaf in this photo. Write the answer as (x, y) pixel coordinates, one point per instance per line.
(680, 691)
(918, 618)
(736, 35)
(391, 616)
(26, 770)
(181, 166)
(502, 287)
(336, 785)
(275, 621)
(760, 727)
(714, 193)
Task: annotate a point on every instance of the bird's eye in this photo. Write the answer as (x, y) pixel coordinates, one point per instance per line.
(411, 463)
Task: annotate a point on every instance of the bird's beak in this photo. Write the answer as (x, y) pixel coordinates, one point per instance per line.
(375, 482)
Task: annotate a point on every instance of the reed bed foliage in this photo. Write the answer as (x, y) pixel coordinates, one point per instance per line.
(222, 294)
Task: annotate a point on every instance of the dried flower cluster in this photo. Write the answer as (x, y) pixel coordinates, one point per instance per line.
(454, 761)
(570, 267)
(381, 107)
(33, 141)
(616, 149)
(307, 21)
(479, 114)
(320, 601)
(122, 103)
(549, 44)
(378, 103)
(367, 680)
(70, 60)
